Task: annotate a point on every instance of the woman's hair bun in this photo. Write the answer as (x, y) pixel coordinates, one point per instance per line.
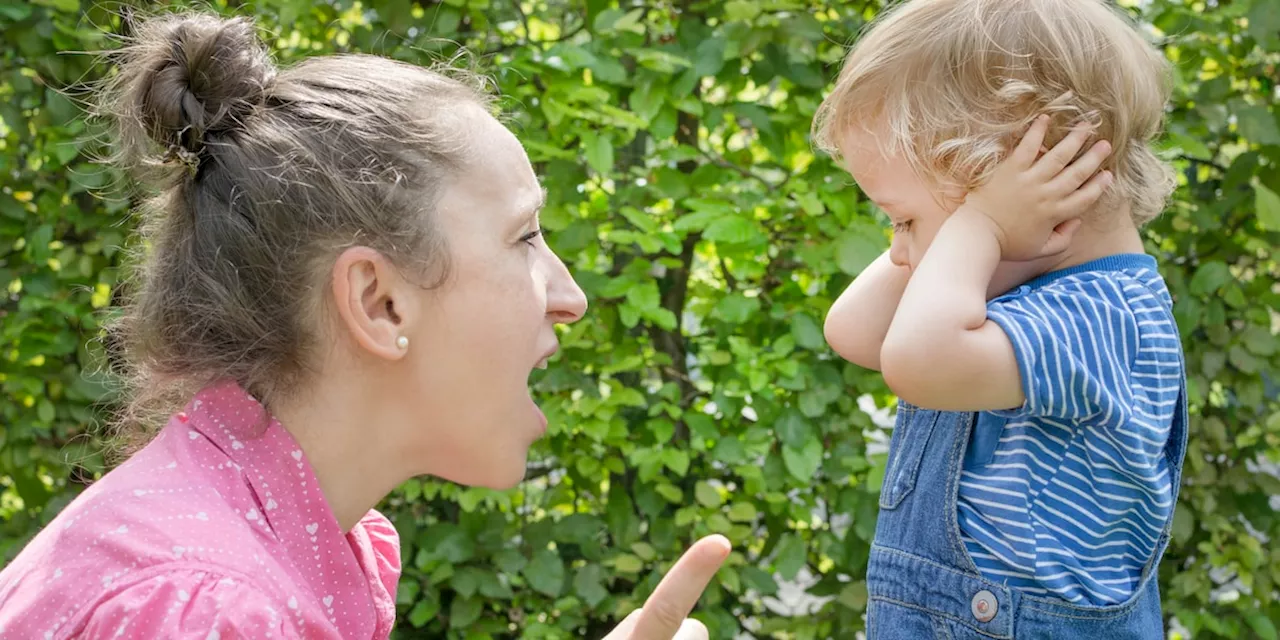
(185, 79)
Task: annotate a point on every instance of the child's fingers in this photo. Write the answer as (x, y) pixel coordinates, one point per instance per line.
(1028, 149)
(1060, 239)
(1084, 168)
(1084, 197)
(1057, 159)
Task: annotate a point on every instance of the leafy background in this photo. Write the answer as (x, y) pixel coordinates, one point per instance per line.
(698, 396)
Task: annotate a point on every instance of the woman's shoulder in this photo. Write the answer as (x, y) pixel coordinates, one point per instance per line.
(171, 600)
(159, 517)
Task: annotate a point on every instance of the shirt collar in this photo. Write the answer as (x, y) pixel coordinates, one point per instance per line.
(1118, 262)
(290, 507)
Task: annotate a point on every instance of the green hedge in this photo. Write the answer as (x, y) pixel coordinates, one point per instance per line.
(698, 396)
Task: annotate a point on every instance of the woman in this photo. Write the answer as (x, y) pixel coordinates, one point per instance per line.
(345, 281)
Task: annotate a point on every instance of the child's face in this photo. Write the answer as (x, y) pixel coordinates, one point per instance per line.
(915, 210)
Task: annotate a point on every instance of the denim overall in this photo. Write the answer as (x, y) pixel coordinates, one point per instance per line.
(920, 580)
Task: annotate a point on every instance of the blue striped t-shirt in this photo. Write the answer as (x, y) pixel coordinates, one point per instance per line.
(1068, 494)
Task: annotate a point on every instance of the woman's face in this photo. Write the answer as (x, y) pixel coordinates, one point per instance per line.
(483, 332)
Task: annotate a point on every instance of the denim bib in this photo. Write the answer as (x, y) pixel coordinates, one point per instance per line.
(920, 580)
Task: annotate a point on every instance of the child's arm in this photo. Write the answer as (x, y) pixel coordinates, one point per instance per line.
(858, 321)
(941, 351)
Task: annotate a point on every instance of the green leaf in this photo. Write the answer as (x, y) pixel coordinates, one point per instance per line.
(1264, 26)
(761, 581)
(1210, 277)
(733, 230)
(1265, 628)
(742, 512)
(807, 332)
(1267, 204)
(875, 478)
(423, 612)
(509, 561)
(804, 462)
(65, 6)
(545, 573)
(707, 495)
(1259, 340)
(856, 250)
(645, 296)
(793, 430)
(15, 11)
(741, 10)
(1257, 124)
(465, 611)
(599, 152)
(790, 556)
(736, 308)
(44, 410)
(1242, 359)
(1183, 525)
(627, 563)
(854, 595)
(677, 460)
(588, 583)
(670, 492)
(709, 58)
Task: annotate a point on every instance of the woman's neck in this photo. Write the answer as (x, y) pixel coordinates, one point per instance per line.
(354, 463)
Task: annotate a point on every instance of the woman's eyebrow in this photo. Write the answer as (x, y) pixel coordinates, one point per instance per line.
(530, 211)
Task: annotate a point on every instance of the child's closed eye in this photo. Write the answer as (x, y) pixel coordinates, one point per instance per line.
(902, 226)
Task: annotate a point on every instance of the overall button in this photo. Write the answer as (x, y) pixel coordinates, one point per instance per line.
(984, 606)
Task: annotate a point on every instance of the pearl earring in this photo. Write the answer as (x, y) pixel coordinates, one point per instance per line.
(402, 342)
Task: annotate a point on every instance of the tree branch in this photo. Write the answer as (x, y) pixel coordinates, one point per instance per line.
(721, 161)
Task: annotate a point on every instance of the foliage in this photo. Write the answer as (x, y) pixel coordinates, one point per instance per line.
(699, 395)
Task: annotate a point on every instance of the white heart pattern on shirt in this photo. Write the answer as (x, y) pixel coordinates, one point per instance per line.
(328, 601)
(213, 635)
(183, 596)
(202, 516)
(252, 515)
(178, 551)
(311, 528)
(293, 602)
(297, 454)
(271, 504)
(235, 444)
(193, 435)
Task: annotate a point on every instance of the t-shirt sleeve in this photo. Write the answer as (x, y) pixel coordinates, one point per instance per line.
(1075, 351)
(188, 605)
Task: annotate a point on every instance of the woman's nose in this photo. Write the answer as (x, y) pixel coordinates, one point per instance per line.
(566, 303)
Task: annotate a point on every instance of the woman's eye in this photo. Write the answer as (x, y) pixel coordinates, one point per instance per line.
(528, 237)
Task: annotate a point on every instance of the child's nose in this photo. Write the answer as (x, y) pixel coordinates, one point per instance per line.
(898, 253)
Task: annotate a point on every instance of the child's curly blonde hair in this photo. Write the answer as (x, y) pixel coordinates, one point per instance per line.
(953, 84)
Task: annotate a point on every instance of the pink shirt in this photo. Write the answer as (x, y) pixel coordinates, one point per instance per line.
(217, 529)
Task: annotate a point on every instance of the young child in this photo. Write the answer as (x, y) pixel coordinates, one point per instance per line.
(1034, 468)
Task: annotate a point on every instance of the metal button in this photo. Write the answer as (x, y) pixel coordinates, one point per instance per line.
(984, 606)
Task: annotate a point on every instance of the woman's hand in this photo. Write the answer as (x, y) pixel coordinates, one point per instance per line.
(664, 615)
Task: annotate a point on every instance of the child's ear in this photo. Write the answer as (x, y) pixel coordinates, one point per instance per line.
(952, 197)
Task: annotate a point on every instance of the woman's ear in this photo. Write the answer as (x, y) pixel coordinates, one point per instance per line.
(372, 301)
